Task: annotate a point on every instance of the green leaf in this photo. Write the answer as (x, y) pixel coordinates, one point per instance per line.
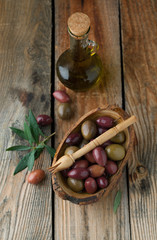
(39, 150)
(18, 148)
(117, 201)
(31, 159)
(35, 129)
(19, 132)
(22, 164)
(50, 150)
(28, 133)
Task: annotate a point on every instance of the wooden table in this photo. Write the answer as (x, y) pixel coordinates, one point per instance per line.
(33, 34)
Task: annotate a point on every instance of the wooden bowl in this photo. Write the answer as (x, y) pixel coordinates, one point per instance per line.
(59, 183)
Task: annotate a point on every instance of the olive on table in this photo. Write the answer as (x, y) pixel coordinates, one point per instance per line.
(96, 170)
(83, 143)
(44, 120)
(65, 111)
(88, 129)
(119, 138)
(61, 96)
(115, 152)
(102, 182)
(90, 185)
(81, 164)
(78, 173)
(111, 167)
(105, 122)
(89, 157)
(36, 176)
(73, 139)
(100, 156)
(71, 150)
(75, 184)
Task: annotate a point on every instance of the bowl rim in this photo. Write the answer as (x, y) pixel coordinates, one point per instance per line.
(91, 198)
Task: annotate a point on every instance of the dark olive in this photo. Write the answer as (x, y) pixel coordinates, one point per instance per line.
(111, 167)
(44, 120)
(90, 185)
(73, 139)
(81, 164)
(119, 138)
(105, 122)
(89, 157)
(115, 152)
(65, 172)
(75, 184)
(101, 130)
(61, 96)
(88, 130)
(64, 111)
(71, 150)
(105, 144)
(102, 182)
(83, 143)
(100, 156)
(78, 173)
(96, 170)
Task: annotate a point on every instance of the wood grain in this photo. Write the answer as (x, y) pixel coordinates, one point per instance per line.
(25, 55)
(95, 221)
(139, 31)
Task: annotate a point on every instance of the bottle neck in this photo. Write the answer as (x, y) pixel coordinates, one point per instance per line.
(79, 48)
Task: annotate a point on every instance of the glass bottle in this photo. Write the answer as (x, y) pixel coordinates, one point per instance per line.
(80, 67)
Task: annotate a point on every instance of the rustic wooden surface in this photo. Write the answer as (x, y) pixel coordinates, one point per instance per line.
(126, 32)
(25, 60)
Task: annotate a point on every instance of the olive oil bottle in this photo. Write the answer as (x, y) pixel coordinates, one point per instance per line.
(80, 67)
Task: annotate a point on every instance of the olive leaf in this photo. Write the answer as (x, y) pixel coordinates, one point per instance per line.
(18, 148)
(19, 132)
(28, 133)
(117, 201)
(30, 162)
(22, 164)
(50, 150)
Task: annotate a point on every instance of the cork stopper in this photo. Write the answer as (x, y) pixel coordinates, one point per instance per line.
(78, 23)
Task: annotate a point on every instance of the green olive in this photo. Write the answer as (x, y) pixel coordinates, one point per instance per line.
(71, 150)
(75, 184)
(83, 143)
(64, 111)
(88, 130)
(115, 152)
(119, 138)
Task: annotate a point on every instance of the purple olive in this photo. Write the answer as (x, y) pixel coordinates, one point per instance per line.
(102, 182)
(61, 96)
(43, 120)
(101, 130)
(96, 170)
(90, 185)
(100, 156)
(73, 139)
(78, 173)
(111, 167)
(81, 164)
(105, 122)
(107, 143)
(89, 157)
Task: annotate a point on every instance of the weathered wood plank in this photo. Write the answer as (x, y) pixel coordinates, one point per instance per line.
(25, 55)
(95, 221)
(139, 31)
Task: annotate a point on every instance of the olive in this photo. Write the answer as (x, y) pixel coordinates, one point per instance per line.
(119, 138)
(83, 143)
(102, 182)
(105, 122)
(64, 111)
(78, 173)
(115, 152)
(36, 176)
(89, 157)
(100, 156)
(96, 170)
(105, 144)
(101, 130)
(44, 120)
(88, 130)
(71, 150)
(111, 167)
(90, 185)
(81, 164)
(65, 172)
(61, 96)
(75, 184)
(73, 139)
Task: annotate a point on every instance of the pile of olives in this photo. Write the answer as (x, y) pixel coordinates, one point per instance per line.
(93, 171)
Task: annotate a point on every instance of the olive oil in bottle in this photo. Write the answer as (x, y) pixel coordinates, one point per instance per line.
(80, 67)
